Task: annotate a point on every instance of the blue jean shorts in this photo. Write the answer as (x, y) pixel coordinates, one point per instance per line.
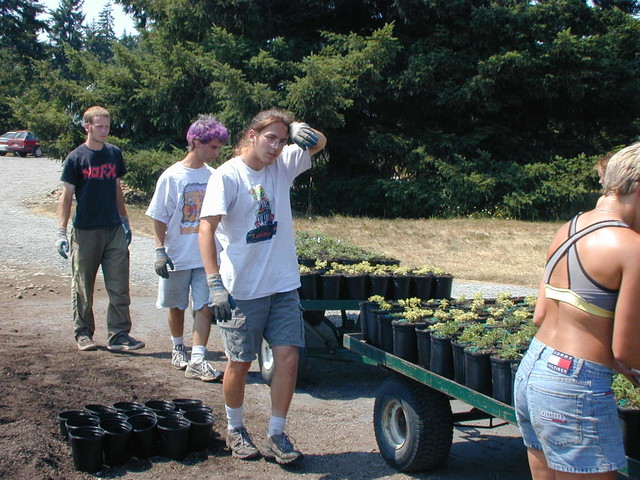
(173, 292)
(277, 318)
(566, 408)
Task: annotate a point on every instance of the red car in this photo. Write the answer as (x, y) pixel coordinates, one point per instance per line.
(23, 143)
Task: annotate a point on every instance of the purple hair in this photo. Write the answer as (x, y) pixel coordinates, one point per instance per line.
(205, 129)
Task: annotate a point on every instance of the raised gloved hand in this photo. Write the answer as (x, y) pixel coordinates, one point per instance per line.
(127, 228)
(162, 262)
(62, 244)
(221, 302)
(303, 135)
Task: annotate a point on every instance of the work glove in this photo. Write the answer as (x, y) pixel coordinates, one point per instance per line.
(62, 244)
(162, 262)
(302, 135)
(221, 302)
(127, 228)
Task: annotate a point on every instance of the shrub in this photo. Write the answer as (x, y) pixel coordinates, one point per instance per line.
(145, 167)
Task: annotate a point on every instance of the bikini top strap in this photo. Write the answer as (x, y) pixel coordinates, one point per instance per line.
(573, 238)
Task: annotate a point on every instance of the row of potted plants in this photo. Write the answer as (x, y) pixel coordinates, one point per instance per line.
(357, 281)
(477, 342)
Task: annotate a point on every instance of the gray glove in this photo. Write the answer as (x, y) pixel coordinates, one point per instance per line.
(62, 244)
(303, 135)
(127, 228)
(162, 262)
(221, 302)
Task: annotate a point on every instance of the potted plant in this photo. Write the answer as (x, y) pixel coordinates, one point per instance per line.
(441, 333)
(379, 280)
(400, 281)
(421, 282)
(308, 282)
(367, 325)
(355, 280)
(628, 399)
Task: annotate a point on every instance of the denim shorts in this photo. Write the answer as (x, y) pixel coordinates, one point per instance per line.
(566, 408)
(173, 292)
(277, 318)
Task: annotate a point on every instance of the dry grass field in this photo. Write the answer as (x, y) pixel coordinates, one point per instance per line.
(487, 250)
(472, 249)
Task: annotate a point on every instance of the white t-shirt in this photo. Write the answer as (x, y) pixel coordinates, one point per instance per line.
(258, 256)
(177, 202)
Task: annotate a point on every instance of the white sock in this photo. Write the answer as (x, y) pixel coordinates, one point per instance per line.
(235, 417)
(198, 353)
(177, 341)
(276, 425)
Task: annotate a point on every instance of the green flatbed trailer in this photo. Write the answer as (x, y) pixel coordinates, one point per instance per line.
(413, 421)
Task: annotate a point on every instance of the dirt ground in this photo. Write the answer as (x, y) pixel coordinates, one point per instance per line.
(42, 374)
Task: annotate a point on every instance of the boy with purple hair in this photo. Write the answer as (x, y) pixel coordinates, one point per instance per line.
(175, 210)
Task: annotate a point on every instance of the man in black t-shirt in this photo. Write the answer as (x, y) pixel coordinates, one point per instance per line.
(100, 234)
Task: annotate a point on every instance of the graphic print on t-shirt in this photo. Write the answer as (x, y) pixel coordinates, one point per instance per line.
(193, 194)
(265, 226)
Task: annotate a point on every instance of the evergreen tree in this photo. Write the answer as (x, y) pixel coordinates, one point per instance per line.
(19, 27)
(66, 31)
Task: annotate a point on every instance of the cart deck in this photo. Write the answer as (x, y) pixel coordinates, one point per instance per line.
(482, 405)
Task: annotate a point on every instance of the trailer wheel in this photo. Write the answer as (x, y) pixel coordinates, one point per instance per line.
(265, 359)
(413, 425)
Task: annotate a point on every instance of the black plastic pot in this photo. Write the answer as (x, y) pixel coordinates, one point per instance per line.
(442, 286)
(198, 408)
(355, 287)
(441, 356)
(96, 408)
(143, 431)
(459, 369)
(401, 286)
(308, 286)
(385, 332)
(405, 340)
(330, 286)
(423, 339)
(116, 442)
(173, 437)
(158, 405)
(630, 423)
(502, 379)
(111, 416)
(182, 402)
(379, 285)
(169, 414)
(86, 448)
(126, 406)
(138, 411)
(366, 319)
(64, 416)
(478, 371)
(421, 286)
(200, 429)
(81, 421)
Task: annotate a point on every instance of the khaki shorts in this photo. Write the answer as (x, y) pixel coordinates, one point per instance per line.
(277, 318)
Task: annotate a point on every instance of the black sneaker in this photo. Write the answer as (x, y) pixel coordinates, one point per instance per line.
(240, 443)
(279, 448)
(124, 341)
(85, 343)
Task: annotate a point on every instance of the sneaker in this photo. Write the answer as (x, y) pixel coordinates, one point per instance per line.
(179, 357)
(124, 341)
(279, 448)
(202, 371)
(85, 342)
(240, 443)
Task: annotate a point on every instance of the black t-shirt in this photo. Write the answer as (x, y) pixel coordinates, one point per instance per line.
(94, 174)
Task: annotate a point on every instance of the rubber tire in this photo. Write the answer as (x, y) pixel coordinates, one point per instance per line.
(413, 425)
(265, 360)
(3, 153)
(22, 154)
(37, 152)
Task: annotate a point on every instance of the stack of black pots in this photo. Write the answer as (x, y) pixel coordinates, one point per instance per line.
(110, 435)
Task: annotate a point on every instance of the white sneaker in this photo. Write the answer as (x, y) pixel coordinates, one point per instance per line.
(179, 358)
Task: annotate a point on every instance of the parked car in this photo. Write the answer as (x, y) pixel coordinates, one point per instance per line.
(4, 142)
(24, 143)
